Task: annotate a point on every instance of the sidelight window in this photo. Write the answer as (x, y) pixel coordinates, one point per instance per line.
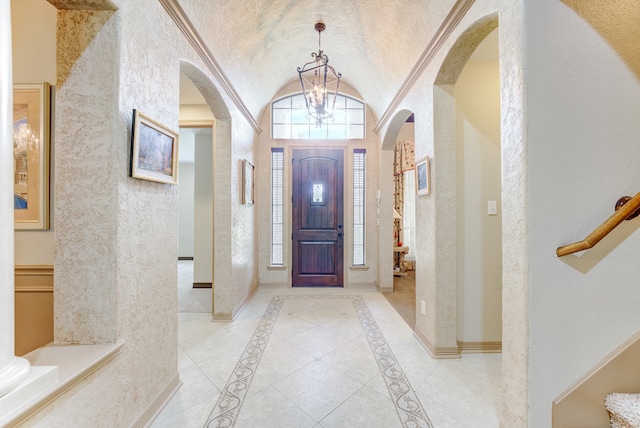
(359, 253)
(277, 205)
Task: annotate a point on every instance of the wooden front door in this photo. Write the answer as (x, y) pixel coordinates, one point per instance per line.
(317, 218)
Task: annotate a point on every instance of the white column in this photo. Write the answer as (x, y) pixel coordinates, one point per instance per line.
(13, 370)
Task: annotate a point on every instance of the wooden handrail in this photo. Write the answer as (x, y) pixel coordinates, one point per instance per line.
(624, 210)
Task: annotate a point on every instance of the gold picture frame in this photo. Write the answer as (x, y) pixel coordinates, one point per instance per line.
(247, 183)
(31, 155)
(154, 150)
(423, 179)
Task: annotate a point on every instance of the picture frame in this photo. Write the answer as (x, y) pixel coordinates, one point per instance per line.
(423, 179)
(154, 150)
(247, 183)
(31, 155)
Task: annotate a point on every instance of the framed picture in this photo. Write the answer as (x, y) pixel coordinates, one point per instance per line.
(423, 181)
(154, 150)
(247, 182)
(31, 156)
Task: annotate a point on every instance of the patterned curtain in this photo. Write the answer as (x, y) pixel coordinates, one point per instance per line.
(403, 160)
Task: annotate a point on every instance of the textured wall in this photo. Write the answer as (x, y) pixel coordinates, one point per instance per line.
(583, 98)
(86, 168)
(116, 237)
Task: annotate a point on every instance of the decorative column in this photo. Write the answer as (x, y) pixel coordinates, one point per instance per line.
(13, 370)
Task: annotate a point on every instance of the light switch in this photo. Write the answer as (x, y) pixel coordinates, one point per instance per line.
(492, 208)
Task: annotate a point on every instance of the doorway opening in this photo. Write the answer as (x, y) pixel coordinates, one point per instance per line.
(195, 200)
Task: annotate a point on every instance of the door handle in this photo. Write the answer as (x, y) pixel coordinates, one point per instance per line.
(339, 234)
(339, 226)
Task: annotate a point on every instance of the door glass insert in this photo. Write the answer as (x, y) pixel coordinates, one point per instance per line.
(317, 193)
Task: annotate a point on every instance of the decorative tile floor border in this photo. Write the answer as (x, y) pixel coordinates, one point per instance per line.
(406, 402)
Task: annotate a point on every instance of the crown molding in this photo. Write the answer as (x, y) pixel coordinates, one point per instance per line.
(185, 25)
(452, 20)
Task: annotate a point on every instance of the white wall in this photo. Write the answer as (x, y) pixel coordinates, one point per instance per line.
(584, 103)
(34, 61)
(479, 235)
(407, 132)
(186, 172)
(203, 207)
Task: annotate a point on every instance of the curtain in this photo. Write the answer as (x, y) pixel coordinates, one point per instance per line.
(403, 160)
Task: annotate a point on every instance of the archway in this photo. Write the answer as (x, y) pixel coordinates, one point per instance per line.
(219, 159)
(400, 140)
(445, 295)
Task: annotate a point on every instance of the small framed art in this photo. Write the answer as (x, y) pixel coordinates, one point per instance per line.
(423, 180)
(154, 150)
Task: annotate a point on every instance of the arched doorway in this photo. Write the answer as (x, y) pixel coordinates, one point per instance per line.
(401, 140)
(209, 112)
(467, 151)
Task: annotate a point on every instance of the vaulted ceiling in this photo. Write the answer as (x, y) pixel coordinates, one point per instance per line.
(259, 44)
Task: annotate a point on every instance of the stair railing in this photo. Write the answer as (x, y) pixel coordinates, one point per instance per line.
(627, 208)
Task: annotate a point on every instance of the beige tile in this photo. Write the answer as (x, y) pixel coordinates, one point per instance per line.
(471, 397)
(269, 408)
(281, 359)
(487, 367)
(183, 359)
(317, 341)
(194, 417)
(378, 384)
(318, 389)
(203, 348)
(444, 417)
(364, 409)
(354, 359)
(196, 389)
(197, 326)
(316, 362)
(218, 369)
(289, 325)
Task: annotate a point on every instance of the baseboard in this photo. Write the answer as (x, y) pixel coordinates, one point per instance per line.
(438, 352)
(202, 285)
(385, 289)
(158, 404)
(185, 258)
(480, 347)
(236, 311)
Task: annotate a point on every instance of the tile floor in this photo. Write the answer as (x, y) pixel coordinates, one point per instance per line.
(323, 358)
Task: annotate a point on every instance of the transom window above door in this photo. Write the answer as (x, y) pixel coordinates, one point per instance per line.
(289, 120)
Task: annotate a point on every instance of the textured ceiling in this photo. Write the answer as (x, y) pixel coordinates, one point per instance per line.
(260, 44)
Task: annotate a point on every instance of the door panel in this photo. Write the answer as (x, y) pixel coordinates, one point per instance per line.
(317, 217)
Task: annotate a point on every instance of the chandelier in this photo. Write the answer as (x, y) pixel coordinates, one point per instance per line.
(320, 83)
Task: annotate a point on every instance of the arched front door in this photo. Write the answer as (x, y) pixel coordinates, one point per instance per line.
(318, 231)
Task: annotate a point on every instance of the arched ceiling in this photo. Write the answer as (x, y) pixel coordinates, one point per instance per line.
(259, 44)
